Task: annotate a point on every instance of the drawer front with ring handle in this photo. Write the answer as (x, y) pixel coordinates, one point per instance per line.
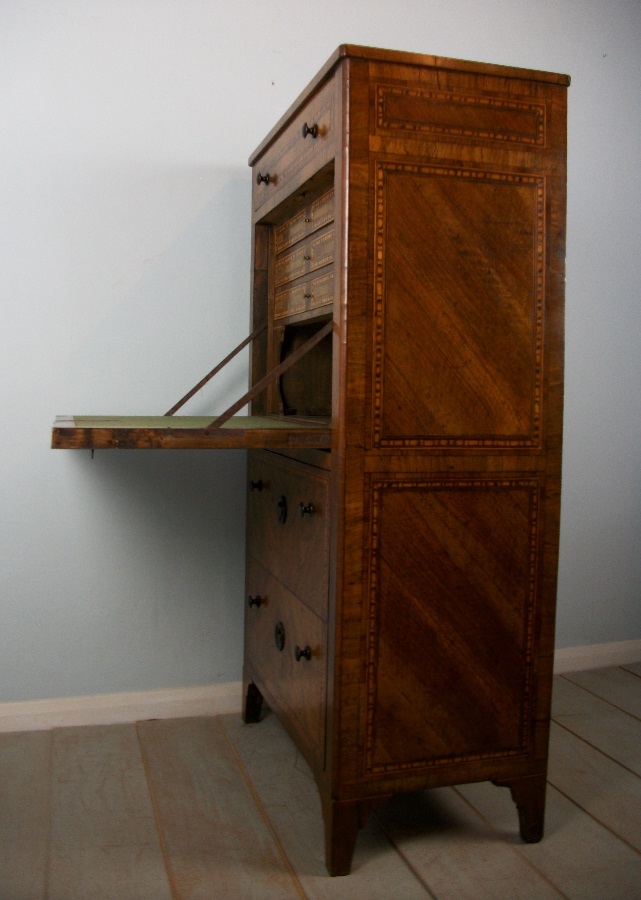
(288, 525)
(285, 647)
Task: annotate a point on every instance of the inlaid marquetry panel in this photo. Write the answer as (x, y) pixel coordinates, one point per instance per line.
(459, 304)
(420, 112)
(450, 629)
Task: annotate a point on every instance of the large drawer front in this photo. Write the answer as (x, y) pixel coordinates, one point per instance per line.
(288, 525)
(285, 643)
(293, 158)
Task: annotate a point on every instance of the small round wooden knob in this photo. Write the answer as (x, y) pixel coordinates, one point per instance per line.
(310, 129)
(306, 509)
(303, 653)
(262, 179)
(254, 601)
(256, 485)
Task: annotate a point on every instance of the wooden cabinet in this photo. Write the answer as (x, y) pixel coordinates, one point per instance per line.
(401, 584)
(406, 400)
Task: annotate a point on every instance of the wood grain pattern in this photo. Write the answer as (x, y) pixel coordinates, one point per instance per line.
(459, 307)
(450, 616)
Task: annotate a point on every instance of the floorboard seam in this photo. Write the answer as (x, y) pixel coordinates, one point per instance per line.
(50, 767)
(596, 749)
(405, 859)
(631, 671)
(175, 893)
(514, 848)
(259, 806)
(602, 698)
(594, 818)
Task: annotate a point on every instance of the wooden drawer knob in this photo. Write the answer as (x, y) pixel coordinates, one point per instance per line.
(254, 601)
(310, 129)
(262, 179)
(256, 485)
(306, 509)
(304, 653)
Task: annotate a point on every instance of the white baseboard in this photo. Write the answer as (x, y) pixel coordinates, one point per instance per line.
(215, 699)
(597, 656)
(111, 709)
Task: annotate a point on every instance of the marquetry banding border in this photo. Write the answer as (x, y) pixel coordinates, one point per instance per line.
(507, 442)
(376, 488)
(534, 111)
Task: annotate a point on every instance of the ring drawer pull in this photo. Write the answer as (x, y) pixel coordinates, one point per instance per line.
(312, 130)
(281, 507)
(254, 601)
(304, 653)
(263, 179)
(306, 510)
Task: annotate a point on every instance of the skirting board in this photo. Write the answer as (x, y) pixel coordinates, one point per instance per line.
(111, 709)
(215, 699)
(597, 656)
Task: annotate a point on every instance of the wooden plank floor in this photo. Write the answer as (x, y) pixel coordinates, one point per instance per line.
(210, 808)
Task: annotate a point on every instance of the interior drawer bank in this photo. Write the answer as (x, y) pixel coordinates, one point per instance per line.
(288, 524)
(294, 152)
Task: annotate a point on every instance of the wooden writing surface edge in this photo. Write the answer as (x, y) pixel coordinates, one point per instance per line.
(241, 432)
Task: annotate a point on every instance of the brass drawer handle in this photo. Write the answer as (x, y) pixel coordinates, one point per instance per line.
(306, 510)
(305, 653)
(312, 130)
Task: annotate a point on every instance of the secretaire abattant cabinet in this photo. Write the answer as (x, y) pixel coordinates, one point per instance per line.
(408, 241)
(401, 588)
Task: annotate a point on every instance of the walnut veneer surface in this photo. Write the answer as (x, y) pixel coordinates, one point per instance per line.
(401, 587)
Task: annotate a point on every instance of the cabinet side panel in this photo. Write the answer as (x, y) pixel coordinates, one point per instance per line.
(459, 303)
(451, 621)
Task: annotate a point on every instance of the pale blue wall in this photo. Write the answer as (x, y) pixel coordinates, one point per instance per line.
(124, 207)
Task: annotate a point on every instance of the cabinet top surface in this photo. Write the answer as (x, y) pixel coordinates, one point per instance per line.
(401, 57)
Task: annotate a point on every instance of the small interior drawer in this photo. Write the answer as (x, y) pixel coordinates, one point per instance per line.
(307, 257)
(306, 221)
(311, 294)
